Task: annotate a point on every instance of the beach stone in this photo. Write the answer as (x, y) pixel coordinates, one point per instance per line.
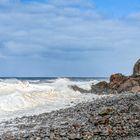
(100, 120)
(46, 138)
(106, 111)
(97, 119)
(9, 136)
(74, 136)
(136, 69)
(134, 108)
(135, 89)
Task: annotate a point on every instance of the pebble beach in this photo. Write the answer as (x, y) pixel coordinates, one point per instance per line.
(109, 118)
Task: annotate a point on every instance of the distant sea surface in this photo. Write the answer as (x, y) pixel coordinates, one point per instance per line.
(54, 78)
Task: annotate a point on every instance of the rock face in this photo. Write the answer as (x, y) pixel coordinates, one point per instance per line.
(116, 80)
(136, 70)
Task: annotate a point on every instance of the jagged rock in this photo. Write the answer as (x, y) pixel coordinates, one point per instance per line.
(118, 83)
(128, 85)
(116, 80)
(136, 69)
(117, 77)
(100, 87)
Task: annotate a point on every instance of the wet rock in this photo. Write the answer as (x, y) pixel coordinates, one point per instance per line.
(101, 87)
(76, 88)
(136, 69)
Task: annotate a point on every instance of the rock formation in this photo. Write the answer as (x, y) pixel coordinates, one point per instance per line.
(136, 69)
(118, 83)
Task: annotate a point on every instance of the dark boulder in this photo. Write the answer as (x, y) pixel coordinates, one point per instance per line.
(81, 90)
(101, 87)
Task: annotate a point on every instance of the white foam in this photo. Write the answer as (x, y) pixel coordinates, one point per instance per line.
(18, 98)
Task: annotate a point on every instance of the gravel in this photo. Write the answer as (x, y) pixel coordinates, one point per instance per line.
(109, 118)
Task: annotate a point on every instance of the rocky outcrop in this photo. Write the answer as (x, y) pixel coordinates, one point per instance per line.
(136, 69)
(118, 83)
(116, 80)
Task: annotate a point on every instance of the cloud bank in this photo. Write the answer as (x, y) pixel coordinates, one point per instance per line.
(65, 38)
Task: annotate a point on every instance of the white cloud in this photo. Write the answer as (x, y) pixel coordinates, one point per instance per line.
(65, 28)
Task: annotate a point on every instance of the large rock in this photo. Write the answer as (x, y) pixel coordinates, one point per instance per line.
(101, 87)
(81, 90)
(118, 83)
(116, 80)
(128, 85)
(118, 77)
(136, 69)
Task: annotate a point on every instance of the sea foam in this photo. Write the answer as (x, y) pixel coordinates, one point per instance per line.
(25, 97)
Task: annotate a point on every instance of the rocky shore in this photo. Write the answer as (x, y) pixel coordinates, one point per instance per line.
(110, 118)
(114, 117)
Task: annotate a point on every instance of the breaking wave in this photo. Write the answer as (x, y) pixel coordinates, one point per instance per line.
(23, 97)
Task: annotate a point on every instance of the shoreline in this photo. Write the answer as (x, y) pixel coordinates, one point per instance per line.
(109, 118)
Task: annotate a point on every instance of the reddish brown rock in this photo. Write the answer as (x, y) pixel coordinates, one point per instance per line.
(116, 80)
(118, 83)
(116, 77)
(128, 85)
(136, 69)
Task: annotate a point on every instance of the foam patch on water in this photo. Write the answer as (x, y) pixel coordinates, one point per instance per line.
(18, 98)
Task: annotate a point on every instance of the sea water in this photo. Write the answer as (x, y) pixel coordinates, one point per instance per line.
(30, 96)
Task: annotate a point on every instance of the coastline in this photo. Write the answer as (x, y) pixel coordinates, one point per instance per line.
(109, 118)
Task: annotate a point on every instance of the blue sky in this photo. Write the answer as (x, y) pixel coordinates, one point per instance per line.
(68, 37)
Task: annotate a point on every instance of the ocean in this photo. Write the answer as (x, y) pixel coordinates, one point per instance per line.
(34, 95)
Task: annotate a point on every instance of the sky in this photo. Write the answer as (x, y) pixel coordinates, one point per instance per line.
(49, 38)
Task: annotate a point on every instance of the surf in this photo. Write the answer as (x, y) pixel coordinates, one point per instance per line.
(26, 97)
